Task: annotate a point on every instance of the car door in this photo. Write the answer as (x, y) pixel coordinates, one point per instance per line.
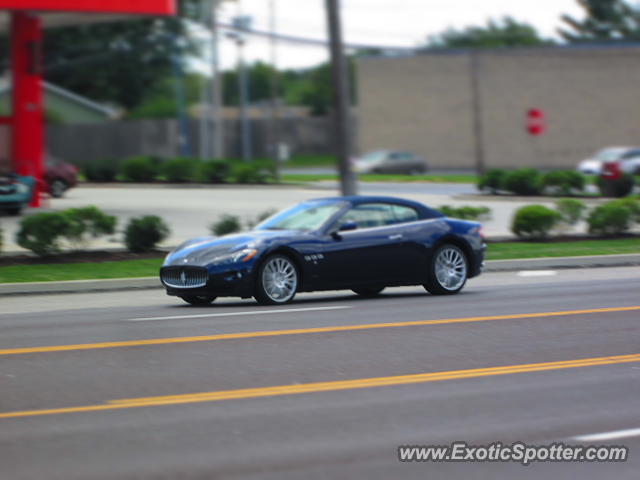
(370, 254)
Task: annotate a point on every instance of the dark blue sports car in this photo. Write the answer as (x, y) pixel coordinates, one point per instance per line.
(359, 243)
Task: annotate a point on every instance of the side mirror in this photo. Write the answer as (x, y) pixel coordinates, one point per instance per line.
(345, 227)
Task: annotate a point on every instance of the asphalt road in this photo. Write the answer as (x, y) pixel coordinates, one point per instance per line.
(137, 385)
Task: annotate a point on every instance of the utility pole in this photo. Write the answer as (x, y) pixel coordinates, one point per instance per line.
(274, 121)
(243, 23)
(341, 100)
(478, 127)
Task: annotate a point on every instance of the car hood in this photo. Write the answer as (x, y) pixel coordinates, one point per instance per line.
(205, 250)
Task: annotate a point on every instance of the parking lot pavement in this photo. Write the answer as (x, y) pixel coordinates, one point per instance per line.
(137, 385)
(189, 210)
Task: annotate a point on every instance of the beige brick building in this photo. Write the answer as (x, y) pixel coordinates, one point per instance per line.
(426, 103)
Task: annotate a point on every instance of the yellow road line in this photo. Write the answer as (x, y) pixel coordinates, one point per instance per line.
(300, 331)
(327, 386)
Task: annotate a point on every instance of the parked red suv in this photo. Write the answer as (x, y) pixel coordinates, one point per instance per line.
(59, 177)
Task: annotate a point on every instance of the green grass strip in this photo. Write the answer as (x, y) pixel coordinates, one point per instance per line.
(384, 178)
(513, 250)
(80, 271)
(150, 267)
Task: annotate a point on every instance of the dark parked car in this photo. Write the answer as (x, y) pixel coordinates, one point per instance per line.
(59, 177)
(15, 192)
(359, 243)
(391, 161)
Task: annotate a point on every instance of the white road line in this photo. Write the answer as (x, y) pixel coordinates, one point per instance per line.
(600, 437)
(237, 314)
(537, 273)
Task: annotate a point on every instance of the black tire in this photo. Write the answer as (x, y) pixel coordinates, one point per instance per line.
(199, 299)
(448, 270)
(14, 211)
(57, 188)
(277, 280)
(368, 292)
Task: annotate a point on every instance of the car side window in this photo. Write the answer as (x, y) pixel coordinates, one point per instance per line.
(370, 215)
(404, 214)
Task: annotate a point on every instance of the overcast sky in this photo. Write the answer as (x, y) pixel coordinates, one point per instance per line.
(385, 22)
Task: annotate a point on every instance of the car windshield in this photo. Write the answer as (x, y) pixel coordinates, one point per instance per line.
(609, 154)
(374, 156)
(305, 216)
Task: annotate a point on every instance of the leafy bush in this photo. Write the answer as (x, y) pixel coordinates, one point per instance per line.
(139, 169)
(564, 182)
(104, 170)
(492, 180)
(226, 225)
(144, 233)
(213, 171)
(466, 212)
(257, 171)
(620, 187)
(41, 232)
(612, 218)
(571, 210)
(633, 204)
(180, 170)
(260, 218)
(86, 223)
(524, 181)
(535, 221)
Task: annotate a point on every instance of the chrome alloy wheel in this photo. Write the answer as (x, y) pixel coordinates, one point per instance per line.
(279, 279)
(450, 268)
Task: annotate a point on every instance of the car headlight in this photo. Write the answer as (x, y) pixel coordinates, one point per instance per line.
(21, 188)
(237, 257)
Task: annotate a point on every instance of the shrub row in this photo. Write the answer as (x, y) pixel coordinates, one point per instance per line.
(144, 169)
(231, 223)
(44, 233)
(611, 218)
(529, 181)
(466, 212)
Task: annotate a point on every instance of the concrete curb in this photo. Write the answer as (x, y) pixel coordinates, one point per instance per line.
(119, 284)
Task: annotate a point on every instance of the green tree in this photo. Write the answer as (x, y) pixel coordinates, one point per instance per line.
(116, 62)
(506, 32)
(161, 101)
(604, 20)
(260, 78)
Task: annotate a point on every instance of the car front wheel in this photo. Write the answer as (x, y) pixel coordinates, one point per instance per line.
(447, 271)
(57, 188)
(198, 299)
(277, 281)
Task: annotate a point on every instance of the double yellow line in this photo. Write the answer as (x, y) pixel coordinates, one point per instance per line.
(300, 331)
(326, 386)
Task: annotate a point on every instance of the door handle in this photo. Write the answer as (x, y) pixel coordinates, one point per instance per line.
(396, 237)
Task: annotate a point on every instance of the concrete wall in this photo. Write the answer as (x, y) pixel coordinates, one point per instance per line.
(425, 103)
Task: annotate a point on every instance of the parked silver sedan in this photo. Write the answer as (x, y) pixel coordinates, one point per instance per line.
(629, 158)
(391, 161)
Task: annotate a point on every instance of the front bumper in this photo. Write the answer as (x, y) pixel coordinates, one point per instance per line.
(233, 281)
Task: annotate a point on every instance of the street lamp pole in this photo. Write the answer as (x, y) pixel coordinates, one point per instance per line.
(341, 100)
(241, 23)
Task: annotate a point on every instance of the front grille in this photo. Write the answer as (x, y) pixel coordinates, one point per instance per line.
(184, 277)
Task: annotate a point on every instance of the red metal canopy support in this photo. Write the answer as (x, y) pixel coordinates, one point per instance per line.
(27, 132)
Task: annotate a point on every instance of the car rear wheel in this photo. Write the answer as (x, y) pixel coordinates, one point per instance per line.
(277, 281)
(447, 271)
(57, 188)
(198, 299)
(368, 291)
